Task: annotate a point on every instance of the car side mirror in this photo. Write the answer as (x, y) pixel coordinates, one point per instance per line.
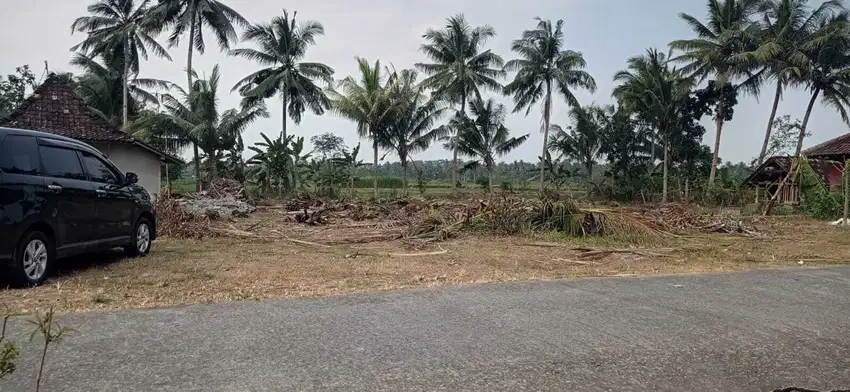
(131, 178)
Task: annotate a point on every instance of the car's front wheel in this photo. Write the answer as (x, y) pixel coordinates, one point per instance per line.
(33, 259)
(141, 243)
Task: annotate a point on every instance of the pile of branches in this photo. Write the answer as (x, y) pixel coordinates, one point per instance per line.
(510, 216)
(678, 218)
(225, 187)
(174, 221)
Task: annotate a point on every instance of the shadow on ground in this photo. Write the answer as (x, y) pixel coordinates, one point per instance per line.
(72, 265)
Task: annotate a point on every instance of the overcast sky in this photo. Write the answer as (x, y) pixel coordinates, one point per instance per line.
(606, 31)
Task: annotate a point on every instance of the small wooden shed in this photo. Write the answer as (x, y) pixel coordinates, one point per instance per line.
(766, 179)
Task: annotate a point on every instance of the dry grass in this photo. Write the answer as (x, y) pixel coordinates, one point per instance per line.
(227, 269)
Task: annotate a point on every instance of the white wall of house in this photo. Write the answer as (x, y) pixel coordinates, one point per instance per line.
(130, 158)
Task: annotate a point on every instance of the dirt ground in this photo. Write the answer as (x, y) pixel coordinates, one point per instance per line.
(316, 261)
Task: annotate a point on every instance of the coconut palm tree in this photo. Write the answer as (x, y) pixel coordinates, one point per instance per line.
(787, 26)
(182, 16)
(485, 137)
(544, 66)
(459, 67)
(283, 45)
(121, 30)
(828, 75)
(652, 91)
(102, 89)
(582, 140)
(197, 116)
(728, 31)
(366, 101)
(410, 128)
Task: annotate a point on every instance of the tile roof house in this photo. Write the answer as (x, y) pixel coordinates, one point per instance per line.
(826, 160)
(55, 108)
(837, 149)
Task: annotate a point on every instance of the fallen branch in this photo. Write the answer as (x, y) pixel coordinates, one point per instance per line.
(307, 242)
(598, 254)
(435, 253)
(233, 232)
(560, 260)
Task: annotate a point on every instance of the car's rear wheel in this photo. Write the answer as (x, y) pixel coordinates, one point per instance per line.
(141, 240)
(33, 259)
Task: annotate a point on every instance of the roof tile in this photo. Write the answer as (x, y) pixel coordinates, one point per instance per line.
(837, 146)
(56, 109)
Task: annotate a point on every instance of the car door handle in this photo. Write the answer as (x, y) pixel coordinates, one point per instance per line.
(101, 192)
(55, 188)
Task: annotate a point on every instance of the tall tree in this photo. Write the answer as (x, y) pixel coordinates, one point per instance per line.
(182, 16)
(787, 26)
(283, 45)
(583, 142)
(366, 101)
(728, 31)
(328, 145)
(197, 116)
(652, 90)
(123, 27)
(410, 127)
(485, 137)
(544, 66)
(14, 88)
(459, 67)
(102, 89)
(828, 75)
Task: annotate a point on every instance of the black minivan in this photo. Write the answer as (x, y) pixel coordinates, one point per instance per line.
(60, 197)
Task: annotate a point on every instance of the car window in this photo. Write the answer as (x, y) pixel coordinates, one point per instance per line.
(19, 155)
(62, 163)
(98, 170)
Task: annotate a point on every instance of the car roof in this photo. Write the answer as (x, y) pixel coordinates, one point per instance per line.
(24, 132)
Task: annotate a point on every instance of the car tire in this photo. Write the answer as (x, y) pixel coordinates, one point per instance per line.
(141, 241)
(33, 259)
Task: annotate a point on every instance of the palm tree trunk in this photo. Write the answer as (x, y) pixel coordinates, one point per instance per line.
(197, 159)
(806, 123)
(490, 178)
(770, 123)
(547, 106)
(213, 165)
(375, 167)
(719, 125)
(198, 186)
(189, 55)
(404, 167)
(666, 160)
(454, 147)
(126, 80)
(283, 131)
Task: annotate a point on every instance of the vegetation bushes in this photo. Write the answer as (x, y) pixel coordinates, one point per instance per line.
(818, 202)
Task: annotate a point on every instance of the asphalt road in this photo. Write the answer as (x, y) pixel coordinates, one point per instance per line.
(752, 331)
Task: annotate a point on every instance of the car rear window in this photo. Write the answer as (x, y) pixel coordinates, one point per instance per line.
(62, 163)
(19, 155)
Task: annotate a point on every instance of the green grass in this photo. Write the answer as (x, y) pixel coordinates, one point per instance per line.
(183, 186)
